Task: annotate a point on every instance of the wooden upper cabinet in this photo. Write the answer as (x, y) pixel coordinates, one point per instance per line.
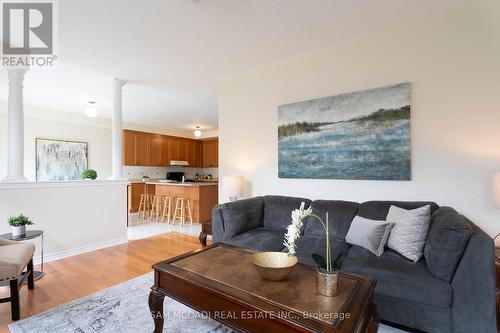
(154, 149)
(184, 149)
(194, 153)
(141, 149)
(211, 153)
(148, 149)
(128, 148)
(165, 151)
(174, 147)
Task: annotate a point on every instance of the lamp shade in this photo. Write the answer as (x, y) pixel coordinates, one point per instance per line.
(496, 189)
(233, 186)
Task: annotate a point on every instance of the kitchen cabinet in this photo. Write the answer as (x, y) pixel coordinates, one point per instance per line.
(128, 148)
(135, 148)
(134, 196)
(174, 148)
(195, 153)
(154, 149)
(210, 153)
(141, 149)
(148, 149)
(165, 151)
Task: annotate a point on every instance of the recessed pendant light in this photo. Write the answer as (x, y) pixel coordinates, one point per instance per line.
(197, 132)
(91, 110)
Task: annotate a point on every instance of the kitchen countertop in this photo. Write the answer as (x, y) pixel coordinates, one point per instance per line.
(154, 181)
(193, 184)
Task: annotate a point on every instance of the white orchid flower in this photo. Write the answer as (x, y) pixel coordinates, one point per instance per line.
(293, 230)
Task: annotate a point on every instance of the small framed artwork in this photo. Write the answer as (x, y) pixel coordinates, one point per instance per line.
(60, 159)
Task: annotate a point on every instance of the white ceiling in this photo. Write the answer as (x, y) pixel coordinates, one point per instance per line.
(173, 52)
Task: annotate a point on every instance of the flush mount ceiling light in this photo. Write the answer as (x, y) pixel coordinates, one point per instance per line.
(197, 132)
(91, 110)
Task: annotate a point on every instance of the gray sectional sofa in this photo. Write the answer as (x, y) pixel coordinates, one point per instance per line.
(452, 289)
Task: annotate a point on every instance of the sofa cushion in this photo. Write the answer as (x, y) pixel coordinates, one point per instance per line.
(410, 230)
(448, 236)
(14, 256)
(278, 210)
(340, 215)
(398, 277)
(307, 245)
(242, 215)
(378, 210)
(370, 234)
(259, 239)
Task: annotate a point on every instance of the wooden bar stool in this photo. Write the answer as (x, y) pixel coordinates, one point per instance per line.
(167, 209)
(155, 208)
(182, 206)
(144, 205)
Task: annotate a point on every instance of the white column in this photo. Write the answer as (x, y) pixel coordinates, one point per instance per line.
(117, 129)
(15, 127)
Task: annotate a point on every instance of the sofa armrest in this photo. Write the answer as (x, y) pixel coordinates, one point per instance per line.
(234, 218)
(474, 283)
(217, 225)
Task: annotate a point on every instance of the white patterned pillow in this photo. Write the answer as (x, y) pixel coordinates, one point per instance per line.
(410, 230)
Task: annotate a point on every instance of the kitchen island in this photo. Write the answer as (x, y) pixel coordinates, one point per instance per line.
(203, 196)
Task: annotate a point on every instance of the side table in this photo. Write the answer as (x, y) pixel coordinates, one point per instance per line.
(206, 229)
(30, 234)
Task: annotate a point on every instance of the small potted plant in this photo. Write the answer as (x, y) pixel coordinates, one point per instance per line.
(89, 174)
(18, 224)
(328, 268)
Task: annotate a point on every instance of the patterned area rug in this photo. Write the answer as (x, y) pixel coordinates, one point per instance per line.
(123, 308)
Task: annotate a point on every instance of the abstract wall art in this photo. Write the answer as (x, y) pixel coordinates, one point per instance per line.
(60, 160)
(362, 135)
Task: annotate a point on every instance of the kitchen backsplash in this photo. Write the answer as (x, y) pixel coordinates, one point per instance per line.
(134, 172)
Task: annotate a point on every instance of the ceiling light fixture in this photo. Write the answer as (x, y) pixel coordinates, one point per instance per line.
(197, 132)
(91, 110)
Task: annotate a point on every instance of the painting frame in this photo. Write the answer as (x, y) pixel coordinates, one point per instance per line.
(82, 161)
(360, 135)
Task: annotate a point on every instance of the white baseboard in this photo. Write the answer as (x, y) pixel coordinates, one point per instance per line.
(79, 250)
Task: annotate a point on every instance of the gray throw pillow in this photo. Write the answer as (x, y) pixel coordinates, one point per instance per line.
(370, 234)
(410, 231)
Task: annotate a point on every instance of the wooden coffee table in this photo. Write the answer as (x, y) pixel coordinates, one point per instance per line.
(220, 281)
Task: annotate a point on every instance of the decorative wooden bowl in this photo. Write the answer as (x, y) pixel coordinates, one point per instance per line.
(273, 266)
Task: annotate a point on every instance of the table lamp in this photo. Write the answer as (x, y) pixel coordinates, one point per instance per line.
(233, 186)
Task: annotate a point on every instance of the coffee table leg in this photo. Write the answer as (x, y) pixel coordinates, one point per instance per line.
(373, 321)
(156, 307)
(203, 238)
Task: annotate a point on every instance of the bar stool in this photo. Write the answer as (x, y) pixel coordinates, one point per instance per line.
(182, 205)
(167, 209)
(144, 205)
(155, 208)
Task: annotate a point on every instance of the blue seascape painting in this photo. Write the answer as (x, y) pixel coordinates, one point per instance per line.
(360, 135)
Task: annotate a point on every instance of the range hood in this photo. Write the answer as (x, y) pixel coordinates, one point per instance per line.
(178, 163)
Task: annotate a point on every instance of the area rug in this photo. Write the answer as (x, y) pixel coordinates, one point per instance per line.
(123, 308)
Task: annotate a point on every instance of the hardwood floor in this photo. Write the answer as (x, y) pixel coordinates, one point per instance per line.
(74, 277)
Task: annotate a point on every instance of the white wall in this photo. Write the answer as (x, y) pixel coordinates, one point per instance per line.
(56, 124)
(75, 216)
(97, 136)
(453, 64)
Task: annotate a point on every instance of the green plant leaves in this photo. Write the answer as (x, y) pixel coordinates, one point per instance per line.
(20, 220)
(319, 260)
(337, 262)
(89, 173)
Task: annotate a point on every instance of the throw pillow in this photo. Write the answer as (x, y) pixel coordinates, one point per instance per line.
(370, 234)
(410, 231)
